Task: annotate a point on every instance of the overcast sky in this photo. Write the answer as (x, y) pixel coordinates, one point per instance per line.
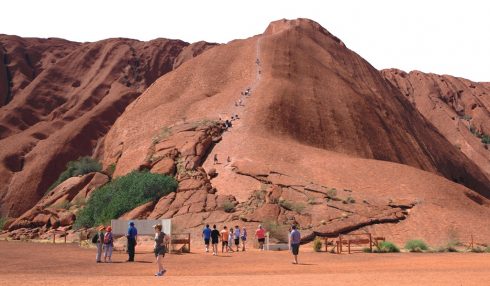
(445, 37)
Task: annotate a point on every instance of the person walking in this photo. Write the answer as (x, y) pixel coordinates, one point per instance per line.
(224, 239)
(260, 235)
(295, 241)
(244, 238)
(215, 240)
(132, 235)
(108, 245)
(206, 235)
(159, 249)
(230, 239)
(236, 236)
(98, 239)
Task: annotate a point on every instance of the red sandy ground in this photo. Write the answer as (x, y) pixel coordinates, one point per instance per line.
(48, 264)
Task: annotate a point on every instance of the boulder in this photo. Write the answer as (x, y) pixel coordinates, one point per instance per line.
(165, 166)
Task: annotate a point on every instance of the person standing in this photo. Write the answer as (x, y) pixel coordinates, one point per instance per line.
(98, 239)
(159, 249)
(260, 235)
(224, 239)
(295, 241)
(244, 238)
(230, 239)
(108, 245)
(236, 236)
(132, 235)
(215, 240)
(206, 235)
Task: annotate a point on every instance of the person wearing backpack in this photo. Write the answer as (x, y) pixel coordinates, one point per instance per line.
(108, 245)
(159, 250)
(98, 240)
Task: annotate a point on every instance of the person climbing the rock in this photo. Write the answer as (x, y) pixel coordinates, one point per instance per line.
(206, 235)
(257, 62)
(260, 235)
(215, 240)
(132, 235)
(295, 241)
(224, 239)
(108, 245)
(215, 159)
(159, 248)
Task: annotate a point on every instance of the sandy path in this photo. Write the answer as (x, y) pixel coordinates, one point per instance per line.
(47, 264)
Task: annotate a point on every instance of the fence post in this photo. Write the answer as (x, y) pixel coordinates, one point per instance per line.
(54, 236)
(370, 243)
(65, 236)
(189, 238)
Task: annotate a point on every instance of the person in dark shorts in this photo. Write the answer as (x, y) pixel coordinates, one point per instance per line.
(260, 235)
(159, 249)
(295, 241)
(206, 235)
(224, 239)
(236, 236)
(215, 239)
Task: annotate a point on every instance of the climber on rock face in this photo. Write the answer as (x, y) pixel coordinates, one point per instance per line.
(215, 159)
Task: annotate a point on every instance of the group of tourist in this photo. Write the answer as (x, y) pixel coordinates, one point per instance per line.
(104, 240)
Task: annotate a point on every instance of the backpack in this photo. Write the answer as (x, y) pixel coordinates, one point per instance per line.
(95, 238)
(107, 238)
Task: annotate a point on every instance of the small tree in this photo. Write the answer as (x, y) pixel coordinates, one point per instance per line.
(317, 244)
(416, 245)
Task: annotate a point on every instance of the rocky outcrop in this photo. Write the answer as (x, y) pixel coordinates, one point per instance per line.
(59, 207)
(457, 107)
(62, 99)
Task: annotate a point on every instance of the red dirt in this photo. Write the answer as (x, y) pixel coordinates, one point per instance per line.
(47, 264)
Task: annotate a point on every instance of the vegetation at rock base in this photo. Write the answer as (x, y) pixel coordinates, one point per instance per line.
(2, 222)
(81, 166)
(317, 244)
(416, 245)
(122, 195)
(386, 247)
(228, 206)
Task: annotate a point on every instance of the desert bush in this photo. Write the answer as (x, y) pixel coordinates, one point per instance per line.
(349, 200)
(122, 195)
(448, 248)
(317, 244)
(110, 169)
(62, 205)
(81, 166)
(3, 220)
(292, 206)
(228, 206)
(487, 249)
(477, 249)
(485, 139)
(416, 245)
(332, 193)
(367, 250)
(386, 246)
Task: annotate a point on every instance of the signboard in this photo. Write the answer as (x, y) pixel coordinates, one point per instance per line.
(144, 226)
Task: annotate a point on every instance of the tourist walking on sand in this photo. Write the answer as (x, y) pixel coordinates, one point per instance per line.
(98, 239)
(108, 245)
(159, 249)
(224, 239)
(236, 236)
(260, 235)
(206, 235)
(244, 238)
(215, 240)
(295, 241)
(132, 236)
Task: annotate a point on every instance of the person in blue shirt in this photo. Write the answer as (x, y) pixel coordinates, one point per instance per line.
(131, 236)
(206, 234)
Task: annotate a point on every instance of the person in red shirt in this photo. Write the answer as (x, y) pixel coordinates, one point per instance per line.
(260, 235)
(224, 239)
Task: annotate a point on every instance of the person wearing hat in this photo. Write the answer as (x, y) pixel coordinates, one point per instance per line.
(98, 240)
(132, 235)
(108, 245)
(159, 250)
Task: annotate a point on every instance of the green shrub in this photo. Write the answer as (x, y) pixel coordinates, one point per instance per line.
(477, 249)
(485, 139)
(386, 246)
(487, 249)
(2, 222)
(292, 206)
(82, 166)
(63, 205)
(366, 250)
(228, 206)
(448, 248)
(122, 195)
(317, 244)
(332, 193)
(416, 245)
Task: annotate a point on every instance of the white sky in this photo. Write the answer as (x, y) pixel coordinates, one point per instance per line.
(445, 37)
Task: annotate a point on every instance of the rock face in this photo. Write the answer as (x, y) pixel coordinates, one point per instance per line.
(289, 127)
(457, 107)
(59, 100)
